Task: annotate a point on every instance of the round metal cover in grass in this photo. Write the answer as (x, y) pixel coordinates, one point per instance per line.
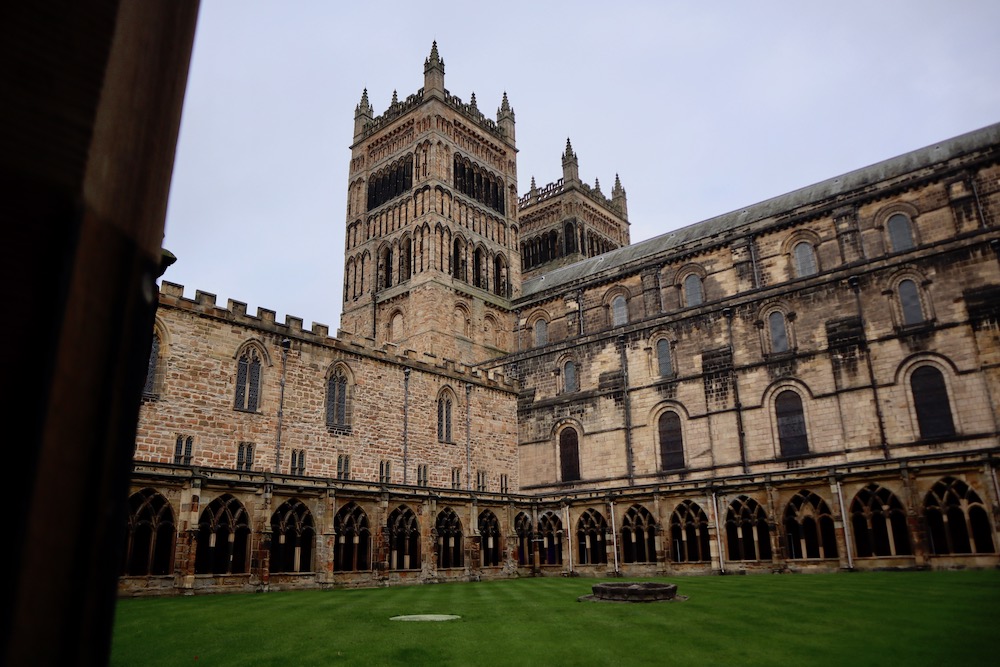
(426, 617)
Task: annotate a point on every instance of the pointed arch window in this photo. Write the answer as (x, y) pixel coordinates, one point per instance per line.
(337, 400)
(909, 302)
(900, 232)
(792, 437)
(352, 544)
(957, 520)
(671, 441)
(748, 536)
(525, 539)
(149, 548)
(292, 538)
(450, 546)
(591, 538)
(638, 536)
(223, 541)
(805, 259)
(619, 311)
(878, 523)
(248, 371)
(689, 539)
(569, 455)
(694, 292)
(930, 401)
(404, 539)
(550, 534)
(445, 405)
(809, 527)
(489, 534)
(151, 388)
(663, 358)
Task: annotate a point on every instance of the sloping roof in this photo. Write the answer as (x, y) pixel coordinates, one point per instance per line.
(731, 222)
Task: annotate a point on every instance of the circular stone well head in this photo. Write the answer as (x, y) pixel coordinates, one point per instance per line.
(646, 591)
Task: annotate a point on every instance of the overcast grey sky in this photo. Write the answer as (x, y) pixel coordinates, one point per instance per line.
(700, 107)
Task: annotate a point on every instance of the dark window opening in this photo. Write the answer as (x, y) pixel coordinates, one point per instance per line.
(792, 437)
(404, 539)
(748, 536)
(638, 536)
(292, 538)
(450, 545)
(930, 400)
(489, 535)
(592, 538)
(569, 455)
(352, 544)
(149, 546)
(689, 539)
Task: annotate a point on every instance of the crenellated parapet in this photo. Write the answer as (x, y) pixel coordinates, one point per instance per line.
(265, 321)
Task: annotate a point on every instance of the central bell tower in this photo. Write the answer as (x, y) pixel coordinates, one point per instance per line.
(432, 259)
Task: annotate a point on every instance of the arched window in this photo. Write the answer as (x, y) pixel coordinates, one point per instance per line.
(569, 455)
(671, 441)
(619, 311)
(458, 260)
(450, 546)
(792, 437)
(591, 538)
(541, 332)
(525, 539)
(778, 332)
(445, 403)
(248, 380)
(385, 268)
(878, 523)
(489, 534)
(149, 547)
(337, 404)
(352, 544)
(809, 527)
(404, 539)
(694, 293)
(900, 232)
(805, 259)
(570, 381)
(909, 302)
(292, 538)
(500, 281)
(405, 260)
(151, 388)
(478, 269)
(748, 536)
(663, 360)
(689, 540)
(957, 520)
(550, 539)
(930, 401)
(638, 536)
(223, 542)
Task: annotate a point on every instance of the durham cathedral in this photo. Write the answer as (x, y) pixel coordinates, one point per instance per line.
(810, 383)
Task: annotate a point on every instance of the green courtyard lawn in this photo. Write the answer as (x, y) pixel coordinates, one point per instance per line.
(848, 619)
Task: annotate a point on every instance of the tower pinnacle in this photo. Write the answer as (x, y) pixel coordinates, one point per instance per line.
(434, 73)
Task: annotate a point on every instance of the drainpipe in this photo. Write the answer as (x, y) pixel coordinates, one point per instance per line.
(847, 526)
(468, 437)
(630, 464)
(285, 344)
(406, 419)
(728, 312)
(614, 534)
(855, 284)
(718, 535)
(579, 312)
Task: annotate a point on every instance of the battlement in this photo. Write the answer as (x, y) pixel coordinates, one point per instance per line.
(204, 303)
(538, 195)
(469, 110)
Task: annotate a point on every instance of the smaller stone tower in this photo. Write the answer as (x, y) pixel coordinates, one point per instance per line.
(568, 220)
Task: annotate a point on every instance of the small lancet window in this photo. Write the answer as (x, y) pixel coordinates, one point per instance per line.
(569, 377)
(900, 232)
(694, 293)
(805, 259)
(619, 311)
(778, 331)
(909, 301)
(663, 359)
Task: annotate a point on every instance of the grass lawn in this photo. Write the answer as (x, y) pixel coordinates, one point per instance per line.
(848, 619)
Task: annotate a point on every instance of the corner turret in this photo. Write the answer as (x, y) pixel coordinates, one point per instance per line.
(505, 118)
(618, 198)
(363, 114)
(571, 166)
(434, 74)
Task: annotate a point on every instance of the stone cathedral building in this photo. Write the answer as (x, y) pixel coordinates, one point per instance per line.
(809, 383)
